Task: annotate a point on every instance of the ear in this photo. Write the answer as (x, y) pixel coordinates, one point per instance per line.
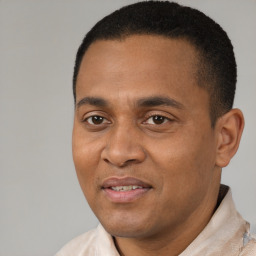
(229, 131)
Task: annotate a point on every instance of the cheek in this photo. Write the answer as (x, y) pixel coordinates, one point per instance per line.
(186, 160)
(86, 158)
(85, 148)
(186, 169)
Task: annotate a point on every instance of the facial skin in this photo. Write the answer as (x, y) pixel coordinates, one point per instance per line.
(124, 127)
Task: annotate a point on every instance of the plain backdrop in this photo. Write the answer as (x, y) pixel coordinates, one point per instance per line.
(42, 206)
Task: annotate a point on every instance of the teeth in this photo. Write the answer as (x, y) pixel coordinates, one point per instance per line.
(125, 188)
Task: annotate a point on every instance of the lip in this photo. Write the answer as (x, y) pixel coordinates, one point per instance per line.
(124, 196)
(124, 181)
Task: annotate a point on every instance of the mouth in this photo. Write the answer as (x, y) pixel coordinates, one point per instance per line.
(124, 190)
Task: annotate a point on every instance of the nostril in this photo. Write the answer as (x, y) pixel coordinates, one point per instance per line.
(106, 160)
(127, 162)
(121, 164)
(130, 160)
(120, 155)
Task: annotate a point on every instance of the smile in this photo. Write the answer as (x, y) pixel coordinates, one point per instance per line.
(125, 188)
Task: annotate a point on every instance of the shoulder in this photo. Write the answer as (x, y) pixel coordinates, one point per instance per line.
(83, 243)
(250, 248)
(95, 242)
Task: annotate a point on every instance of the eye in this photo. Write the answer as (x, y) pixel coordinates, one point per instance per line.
(96, 120)
(157, 119)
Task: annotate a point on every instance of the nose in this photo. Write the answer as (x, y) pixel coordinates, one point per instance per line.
(123, 147)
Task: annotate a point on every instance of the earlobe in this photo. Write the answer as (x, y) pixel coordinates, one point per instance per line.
(229, 131)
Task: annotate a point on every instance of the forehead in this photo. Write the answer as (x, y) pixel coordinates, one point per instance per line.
(138, 53)
(139, 65)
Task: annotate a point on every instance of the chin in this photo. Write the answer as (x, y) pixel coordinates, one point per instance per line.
(125, 231)
(125, 226)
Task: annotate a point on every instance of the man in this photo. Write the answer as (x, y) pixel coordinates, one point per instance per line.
(154, 85)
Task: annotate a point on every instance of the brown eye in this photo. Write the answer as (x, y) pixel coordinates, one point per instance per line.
(96, 120)
(157, 119)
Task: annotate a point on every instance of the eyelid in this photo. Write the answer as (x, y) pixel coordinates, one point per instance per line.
(104, 122)
(157, 113)
(152, 123)
(87, 115)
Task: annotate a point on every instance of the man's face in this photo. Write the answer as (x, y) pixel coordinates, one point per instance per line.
(143, 145)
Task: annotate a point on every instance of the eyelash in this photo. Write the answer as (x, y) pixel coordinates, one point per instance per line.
(98, 116)
(161, 118)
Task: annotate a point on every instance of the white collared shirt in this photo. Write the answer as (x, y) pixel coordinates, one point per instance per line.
(226, 234)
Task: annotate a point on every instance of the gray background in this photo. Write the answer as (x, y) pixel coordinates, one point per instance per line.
(42, 206)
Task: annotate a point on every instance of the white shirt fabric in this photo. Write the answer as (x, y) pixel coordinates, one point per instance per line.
(226, 234)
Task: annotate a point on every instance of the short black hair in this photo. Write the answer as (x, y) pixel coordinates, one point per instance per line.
(216, 71)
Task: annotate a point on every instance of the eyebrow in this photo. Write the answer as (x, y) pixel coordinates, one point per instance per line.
(159, 101)
(94, 101)
(143, 102)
